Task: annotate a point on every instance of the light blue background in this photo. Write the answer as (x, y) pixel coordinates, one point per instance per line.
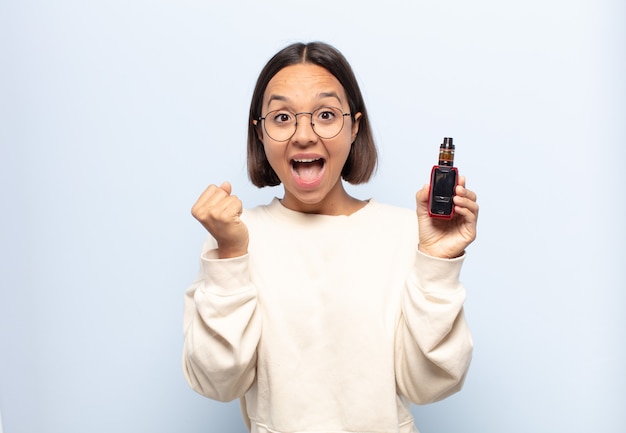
(115, 115)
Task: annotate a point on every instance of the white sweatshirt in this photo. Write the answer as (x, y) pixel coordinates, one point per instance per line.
(328, 324)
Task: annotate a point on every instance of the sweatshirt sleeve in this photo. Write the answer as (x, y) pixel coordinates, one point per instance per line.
(221, 328)
(433, 342)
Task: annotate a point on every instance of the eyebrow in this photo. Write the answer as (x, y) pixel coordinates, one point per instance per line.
(277, 98)
(330, 95)
(321, 95)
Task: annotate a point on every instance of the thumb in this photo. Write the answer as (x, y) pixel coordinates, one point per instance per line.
(226, 187)
(422, 194)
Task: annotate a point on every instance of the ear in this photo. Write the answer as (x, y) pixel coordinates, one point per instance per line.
(355, 125)
(258, 129)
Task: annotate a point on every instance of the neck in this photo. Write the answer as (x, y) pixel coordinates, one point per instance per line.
(336, 202)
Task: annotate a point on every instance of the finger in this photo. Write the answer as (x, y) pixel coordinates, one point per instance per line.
(226, 186)
(461, 181)
(461, 191)
(467, 219)
(233, 208)
(462, 203)
(209, 198)
(215, 194)
(471, 195)
(210, 192)
(201, 201)
(422, 194)
(465, 194)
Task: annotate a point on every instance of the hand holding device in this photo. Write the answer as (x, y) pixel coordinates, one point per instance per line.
(447, 211)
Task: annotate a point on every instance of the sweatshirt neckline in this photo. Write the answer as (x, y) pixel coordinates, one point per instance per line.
(278, 209)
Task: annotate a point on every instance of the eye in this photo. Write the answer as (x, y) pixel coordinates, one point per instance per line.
(280, 117)
(327, 114)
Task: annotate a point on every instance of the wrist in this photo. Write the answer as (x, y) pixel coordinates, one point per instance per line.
(224, 253)
(438, 253)
(229, 251)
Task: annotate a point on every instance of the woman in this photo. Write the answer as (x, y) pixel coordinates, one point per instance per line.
(320, 311)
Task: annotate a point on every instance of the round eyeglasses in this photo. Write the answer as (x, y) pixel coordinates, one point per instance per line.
(281, 125)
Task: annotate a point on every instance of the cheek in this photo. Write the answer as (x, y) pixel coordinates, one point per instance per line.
(268, 153)
(274, 155)
(341, 149)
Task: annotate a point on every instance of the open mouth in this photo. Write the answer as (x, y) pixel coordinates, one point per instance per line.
(309, 169)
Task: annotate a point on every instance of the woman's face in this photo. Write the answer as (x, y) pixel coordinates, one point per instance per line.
(308, 166)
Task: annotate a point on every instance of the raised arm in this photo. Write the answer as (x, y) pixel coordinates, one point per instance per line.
(222, 325)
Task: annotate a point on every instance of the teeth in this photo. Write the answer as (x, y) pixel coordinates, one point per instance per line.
(306, 160)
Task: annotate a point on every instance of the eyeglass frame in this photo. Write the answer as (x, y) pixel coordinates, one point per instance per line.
(310, 113)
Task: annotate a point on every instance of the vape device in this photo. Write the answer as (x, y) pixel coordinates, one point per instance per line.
(443, 181)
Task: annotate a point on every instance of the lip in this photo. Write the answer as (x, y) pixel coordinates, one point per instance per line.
(309, 183)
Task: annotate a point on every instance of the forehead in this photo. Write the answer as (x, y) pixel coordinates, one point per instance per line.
(301, 83)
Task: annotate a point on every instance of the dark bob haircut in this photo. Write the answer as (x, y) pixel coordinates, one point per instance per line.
(362, 159)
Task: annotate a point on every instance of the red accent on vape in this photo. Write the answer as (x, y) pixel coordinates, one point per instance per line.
(443, 181)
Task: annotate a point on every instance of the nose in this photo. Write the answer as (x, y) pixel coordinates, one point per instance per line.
(304, 134)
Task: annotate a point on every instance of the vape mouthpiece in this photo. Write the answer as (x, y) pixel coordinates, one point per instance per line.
(446, 152)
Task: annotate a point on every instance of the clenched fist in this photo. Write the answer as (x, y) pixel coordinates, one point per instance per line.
(219, 211)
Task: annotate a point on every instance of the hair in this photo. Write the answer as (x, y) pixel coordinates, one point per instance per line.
(362, 159)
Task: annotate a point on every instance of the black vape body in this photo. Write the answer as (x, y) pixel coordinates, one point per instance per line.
(443, 181)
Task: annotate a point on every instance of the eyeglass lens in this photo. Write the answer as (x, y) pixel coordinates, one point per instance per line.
(327, 122)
